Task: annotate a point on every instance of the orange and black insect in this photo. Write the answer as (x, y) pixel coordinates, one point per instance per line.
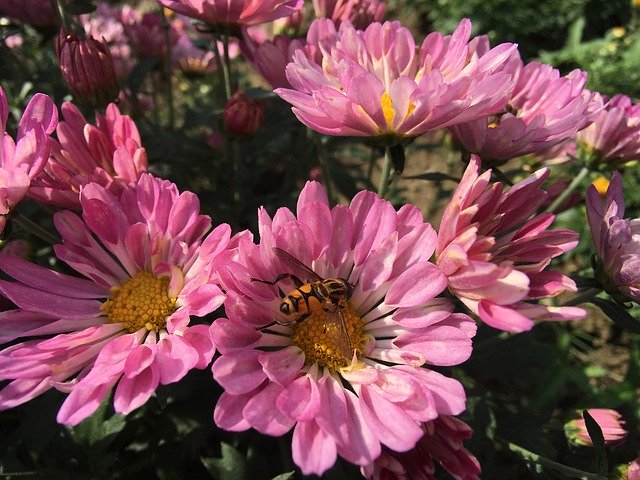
(329, 294)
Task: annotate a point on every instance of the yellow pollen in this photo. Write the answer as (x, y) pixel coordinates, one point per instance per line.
(387, 108)
(319, 338)
(143, 301)
(602, 185)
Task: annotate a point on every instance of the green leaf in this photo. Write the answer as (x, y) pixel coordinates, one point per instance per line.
(595, 432)
(284, 476)
(574, 36)
(231, 466)
(617, 314)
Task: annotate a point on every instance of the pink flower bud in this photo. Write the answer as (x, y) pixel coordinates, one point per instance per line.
(243, 116)
(87, 68)
(610, 422)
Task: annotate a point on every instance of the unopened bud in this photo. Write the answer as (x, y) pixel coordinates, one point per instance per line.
(243, 116)
(87, 68)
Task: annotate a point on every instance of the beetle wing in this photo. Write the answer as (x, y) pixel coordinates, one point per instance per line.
(299, 268)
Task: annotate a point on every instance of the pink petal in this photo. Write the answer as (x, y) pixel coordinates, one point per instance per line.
(132, 393)
(312, 449)
(175, 358)
(418, 284)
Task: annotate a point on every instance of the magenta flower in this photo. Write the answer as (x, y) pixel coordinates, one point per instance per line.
(616, 239)
(234, 12)
(270, 58)
(360, 13)
(545, 109)
(243, 116)
(441, 443)
(148, 269)
(146, 33)
(377, 83)
(609, 421)
(37, 13)
(277, 377)
(494, 250)
(21, 160)
(108, 153)
(613, 139)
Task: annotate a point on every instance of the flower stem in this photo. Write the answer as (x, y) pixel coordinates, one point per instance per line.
(167, 69)
(569, 190)
(34, 228)
(324, 167)
(558, 467)
(582, 297)
(226, 66)
(385, 176)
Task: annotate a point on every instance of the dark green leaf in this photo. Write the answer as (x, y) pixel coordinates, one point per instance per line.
(595, 432)
(79, 7)
(231, 466)
(618, 314)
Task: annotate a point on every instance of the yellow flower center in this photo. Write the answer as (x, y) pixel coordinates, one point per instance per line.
(389, 112)
(602, 185)
(322, 340)
(143, 301)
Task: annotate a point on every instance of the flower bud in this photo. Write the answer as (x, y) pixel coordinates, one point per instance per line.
(87, 68)
(243, 116)
(610, 422)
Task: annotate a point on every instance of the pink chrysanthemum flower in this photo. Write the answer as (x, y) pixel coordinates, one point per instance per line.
(377, 83)
(613, 139)
(21, 160)
(441, 443)
(146, 33)
(108, 153)
(148, 269)
(360, 13)
(270, 57)
(494, 250)
(545, 109)
(344, 392)
(234, 13)
(616, 239)
(609, 421)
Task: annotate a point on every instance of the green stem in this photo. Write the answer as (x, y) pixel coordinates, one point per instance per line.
(582, 297)
(324, 167)
(34, 228)
(220, 69)
(227, 66)
(385, 176)
(569, 190)
(66, 19)
(167, 69)
(558, 467)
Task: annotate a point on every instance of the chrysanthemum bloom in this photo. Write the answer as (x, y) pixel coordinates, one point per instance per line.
(234, 13)
(191, 60)
(87, 69)
(377, 83)
(344, 392)
(495, 250)
(617, 241)
(146, 33)
(270, 58)
(613, 139)
(148, 269)
(21, 160)
(441, 443)
(631, 471)
(37, 13)
(108, 153)
(545, 109)
(360, 13)
(609, 421)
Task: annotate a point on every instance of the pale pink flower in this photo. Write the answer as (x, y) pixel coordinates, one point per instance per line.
(109, 153)
(190, 59)
(146, 33)
(441, 443)
(378, 83)
(360, 13)
(270, 57)
(236, 13)
(544, 110)
(339, 399)
(632, 470)
(495, 250)
(25, 157)
(609, 421)
(613, 139)
(616, 240)
(148, 269)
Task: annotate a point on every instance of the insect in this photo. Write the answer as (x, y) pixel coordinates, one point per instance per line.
(329, 294)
